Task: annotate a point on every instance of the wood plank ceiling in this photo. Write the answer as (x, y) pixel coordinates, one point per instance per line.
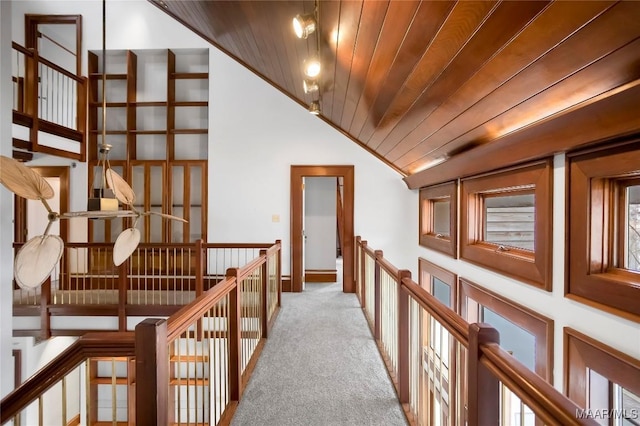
(416, 82)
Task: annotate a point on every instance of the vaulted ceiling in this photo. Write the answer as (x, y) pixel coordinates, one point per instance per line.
(419, 82)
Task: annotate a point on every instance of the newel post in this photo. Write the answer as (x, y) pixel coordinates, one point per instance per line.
(123, 281)
(356, 268)
(152, 373)
(404, 356)
(264, 287)
(279, 271)
(377, 299)
(45, 317)
(484, 387)
(363, 273)
(199, 284)
(234, 330)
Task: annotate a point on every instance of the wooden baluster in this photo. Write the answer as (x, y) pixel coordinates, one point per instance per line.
(234, 330)
(123, 283)
(279, 271)
(377, 308)
(152, 373)
(484, 387)
(404, 355)
(45, 318)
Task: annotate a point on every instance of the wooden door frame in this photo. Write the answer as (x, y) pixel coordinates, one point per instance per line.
(295, 235)
(20, 213)
(31, 22)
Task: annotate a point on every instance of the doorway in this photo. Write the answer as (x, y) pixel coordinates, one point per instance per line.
(31, 216)
(345, 227)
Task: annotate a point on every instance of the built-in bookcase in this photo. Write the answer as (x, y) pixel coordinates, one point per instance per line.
(157, 123)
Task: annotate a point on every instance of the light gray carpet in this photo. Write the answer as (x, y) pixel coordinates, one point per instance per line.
(320, 366)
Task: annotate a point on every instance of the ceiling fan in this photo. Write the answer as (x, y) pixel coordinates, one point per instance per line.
(37, 257)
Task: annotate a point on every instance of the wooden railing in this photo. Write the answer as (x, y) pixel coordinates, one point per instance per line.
(447, 371)
(157, 279)
(194, 365)
(48, 98)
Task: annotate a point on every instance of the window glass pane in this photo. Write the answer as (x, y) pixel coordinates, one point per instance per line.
(509, 220)
(441, 291)
(442, 217)
(633, 228)
(513, 338)
(630, 405)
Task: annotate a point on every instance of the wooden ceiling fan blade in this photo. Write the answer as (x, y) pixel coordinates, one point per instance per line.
(123, 192)
(99, 214)
(36, 259)
(125, 245)
(166, 216)
(23, 181)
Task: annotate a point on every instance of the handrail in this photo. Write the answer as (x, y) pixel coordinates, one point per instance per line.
(487, 366)
(387, 266)
(546, 401)
(181, 320)
(59, 69)
(248, 269)
(104, 344)
(454, 323)
(22, 49)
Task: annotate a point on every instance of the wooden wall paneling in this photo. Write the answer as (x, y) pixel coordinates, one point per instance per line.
(292, 50)
(541, 35)
(346, 38)
(328, 15)
(373, 15)
(611, 114)
(548, 85)
(281, 32)
(505, 22)
(427, 23)
(399, 16)
(462, 21)
(260, 29)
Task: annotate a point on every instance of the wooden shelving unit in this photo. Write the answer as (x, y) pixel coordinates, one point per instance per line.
(157, 122)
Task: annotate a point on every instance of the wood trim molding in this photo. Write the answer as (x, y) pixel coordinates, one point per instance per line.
(320, 275)
(583, 353)
(347, 173)
(533, 268)
(427, 236)
(612, 114)
(596, 275)
(448, 277)
(534, 322)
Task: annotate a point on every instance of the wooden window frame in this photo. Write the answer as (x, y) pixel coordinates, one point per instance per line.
(595, 178)
(448, 277)
(427, 236)
(582, 353)
(535, 323)
(533, 268)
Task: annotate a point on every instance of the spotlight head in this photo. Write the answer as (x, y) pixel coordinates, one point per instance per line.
(314, 108)
(312, 67)
(310, 85)
(304, 25)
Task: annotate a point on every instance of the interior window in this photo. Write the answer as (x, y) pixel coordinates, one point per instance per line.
(509, 220)
(442, 217)
(632, 228)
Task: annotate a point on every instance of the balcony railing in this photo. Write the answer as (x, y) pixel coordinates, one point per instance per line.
(188, 369)
(48, 98)
(446, 371)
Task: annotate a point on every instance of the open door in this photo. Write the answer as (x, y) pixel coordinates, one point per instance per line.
(297, 239)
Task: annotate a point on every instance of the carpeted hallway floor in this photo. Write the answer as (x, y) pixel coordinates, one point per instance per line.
(320, 366)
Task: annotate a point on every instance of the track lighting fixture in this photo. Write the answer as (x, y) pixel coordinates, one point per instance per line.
(304, 25)
(312, 67)
(310, 85)
(314, 108)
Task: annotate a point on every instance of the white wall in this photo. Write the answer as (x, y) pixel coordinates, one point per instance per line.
(6, 204)
(320, 222)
